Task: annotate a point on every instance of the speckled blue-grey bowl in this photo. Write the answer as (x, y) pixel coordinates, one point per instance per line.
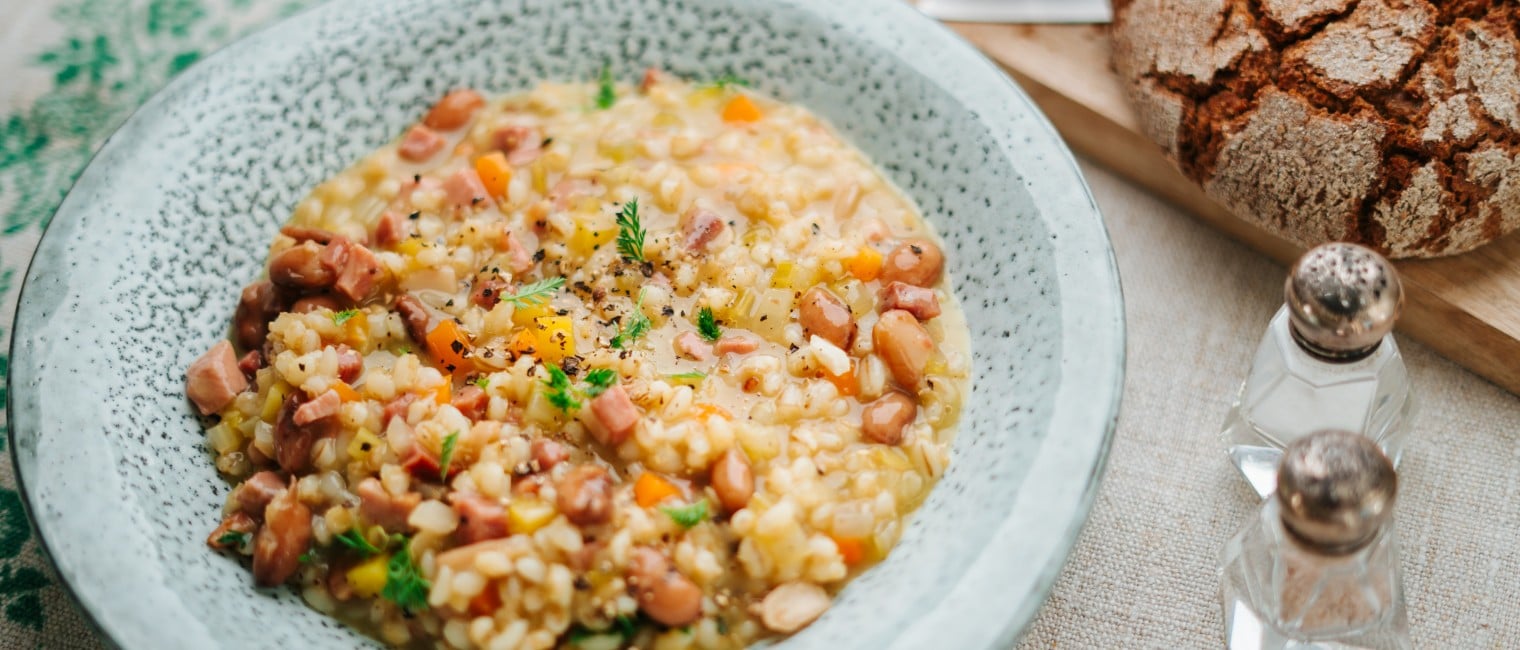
(141, 267)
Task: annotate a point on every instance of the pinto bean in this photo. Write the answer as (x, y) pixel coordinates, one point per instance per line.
(313, 303)
(547, 453)
(251, 363)
(480, 518)
(454, 110)
(885, 419)
(585, 495)
(904, 345)
(285, 536)
(662, 592)
(733, 480)
(472, 401)
(792, 605)
(214, 380)
(259, 304)
(381, 508)
(919, 301)
(237, 522)
(300, 267)
(915, 261)
(824, 314)
(254, 494)
(303, 233)
(415, 315)
(419, 144)
(292, 442)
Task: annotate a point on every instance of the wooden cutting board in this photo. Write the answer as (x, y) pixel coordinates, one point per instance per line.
(1467, 307)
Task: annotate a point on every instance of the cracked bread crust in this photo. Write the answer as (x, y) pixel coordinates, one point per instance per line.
(1392, 123)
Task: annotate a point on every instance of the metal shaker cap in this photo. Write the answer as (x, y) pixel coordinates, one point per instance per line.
(1342, 300)
(1335, 490)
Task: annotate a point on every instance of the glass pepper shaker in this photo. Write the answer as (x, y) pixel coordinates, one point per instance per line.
(1327, 361)
(1318, 568)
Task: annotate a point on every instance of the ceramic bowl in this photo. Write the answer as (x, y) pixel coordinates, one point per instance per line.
(141, 267)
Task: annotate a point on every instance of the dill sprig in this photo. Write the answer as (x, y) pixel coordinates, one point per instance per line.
(446, 457)
(404, 584)
(598, 381)
(707, 325)
(630, 239)
(535, 293)
(606, 91)
(728, 80)
(560, 393)
(635, 328)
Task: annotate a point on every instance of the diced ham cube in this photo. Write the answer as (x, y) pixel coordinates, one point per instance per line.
(700, 229)
(356, 267)
(736, 345)
(464, 189)
(919, 301)
(381, 508)
(256, 492)
(419, 144)
(487, 292)
(350, 364)
(391, 229)
(397, 408)
(547, 453)
(522, 144)
(471, 402)
(691, 346)
(519, 260)
(422, 464)
(480, 518)
(215, 379)
(615, 416)
(324, 406)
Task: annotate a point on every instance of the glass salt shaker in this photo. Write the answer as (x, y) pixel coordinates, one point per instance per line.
(1318, 568)
(1327, 361)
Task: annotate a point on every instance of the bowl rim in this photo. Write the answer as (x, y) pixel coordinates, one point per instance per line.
(1090, 407)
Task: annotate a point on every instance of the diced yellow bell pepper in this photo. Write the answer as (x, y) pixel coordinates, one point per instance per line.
(410, 246)
(272, 402)
(527, 515)
(363, 445)
(555, 338)
(524, 315)
(591, 232)
(368, 577)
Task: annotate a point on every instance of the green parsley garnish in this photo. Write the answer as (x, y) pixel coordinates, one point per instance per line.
(689, 378)
(482, 382)
(623, 629)
(599, 380)
(446, 457)
(355, 540)
(233, 538)
(637, 326)
(606, 92)
(560, 393)
(535, 293)
(707, 325)
(630, 239)
(307, 558)
(342, 317)
(728, 80)
(687, 516)
(404, 584)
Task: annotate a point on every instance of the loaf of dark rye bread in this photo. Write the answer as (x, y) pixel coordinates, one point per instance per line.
(1393, 123)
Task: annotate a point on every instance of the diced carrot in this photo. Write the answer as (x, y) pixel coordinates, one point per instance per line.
(706, 410)
(650, 490)
(486, 602)
(740, 109)
(523, 343)
(852, 549)
(449, 345)
(866, 264)
(847, 384)
(346, 392)
(444, 394)
(494, 173)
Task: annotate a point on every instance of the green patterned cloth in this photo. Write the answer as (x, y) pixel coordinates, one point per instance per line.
(73, 71)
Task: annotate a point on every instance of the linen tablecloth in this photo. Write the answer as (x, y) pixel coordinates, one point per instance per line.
(1142, 575)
